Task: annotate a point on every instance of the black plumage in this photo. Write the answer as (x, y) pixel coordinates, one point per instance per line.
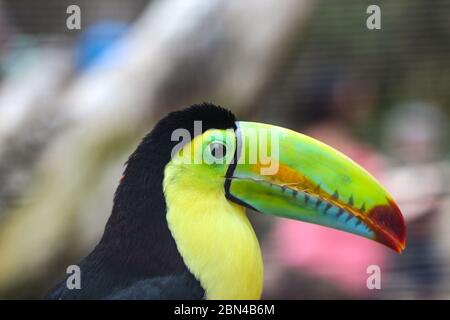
(137, 257)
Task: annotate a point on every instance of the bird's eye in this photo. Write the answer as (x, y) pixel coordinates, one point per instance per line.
(218, 150)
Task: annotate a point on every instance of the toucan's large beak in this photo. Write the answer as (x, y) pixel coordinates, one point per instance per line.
(284, 173)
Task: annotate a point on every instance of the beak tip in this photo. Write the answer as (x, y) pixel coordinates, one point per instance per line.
(390, 225)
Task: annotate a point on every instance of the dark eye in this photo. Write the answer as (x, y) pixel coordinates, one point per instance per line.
(218, 150)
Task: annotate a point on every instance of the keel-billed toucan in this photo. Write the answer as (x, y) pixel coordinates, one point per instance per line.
(179, 230)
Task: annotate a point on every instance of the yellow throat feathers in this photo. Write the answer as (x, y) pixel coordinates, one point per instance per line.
(213, 235)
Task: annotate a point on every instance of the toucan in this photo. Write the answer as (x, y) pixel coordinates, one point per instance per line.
(179, 228)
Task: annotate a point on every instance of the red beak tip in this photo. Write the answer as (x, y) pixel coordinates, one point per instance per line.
(391, 226)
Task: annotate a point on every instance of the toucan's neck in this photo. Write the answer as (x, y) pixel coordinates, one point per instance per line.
(137, 238)
(214, 237)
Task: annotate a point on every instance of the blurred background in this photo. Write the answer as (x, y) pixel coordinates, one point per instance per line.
(74, 103)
